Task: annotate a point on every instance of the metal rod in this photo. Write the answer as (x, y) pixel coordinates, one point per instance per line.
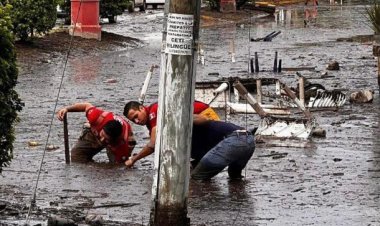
(268, 37)
(252, 101)
(252, 66)
(66, 140)
(296, 100)
(146, 83)
(301, 87)
(257, 69)
(275, 62)
(218, 91)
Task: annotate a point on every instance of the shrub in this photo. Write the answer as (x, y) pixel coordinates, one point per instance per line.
(108, 8)
(33, 16)
(373, 14)
(66, 10)
(111, 8)
(215, 4)
(10, 103)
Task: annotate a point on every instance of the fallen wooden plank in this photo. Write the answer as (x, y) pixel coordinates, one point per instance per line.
(110, 205)
(298, 69)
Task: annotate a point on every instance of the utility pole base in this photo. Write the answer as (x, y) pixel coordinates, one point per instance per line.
(170, 216)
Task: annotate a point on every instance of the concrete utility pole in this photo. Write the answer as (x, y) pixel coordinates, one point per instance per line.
(175, 119)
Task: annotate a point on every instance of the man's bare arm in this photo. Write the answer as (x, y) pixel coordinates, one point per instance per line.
(78, 107)
(148, 149)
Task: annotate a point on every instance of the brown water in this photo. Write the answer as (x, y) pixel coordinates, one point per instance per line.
(336, 182)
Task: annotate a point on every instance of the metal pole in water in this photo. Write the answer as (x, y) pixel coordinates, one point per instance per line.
(257, 63)
(275, 62)
(66, 140)
(301, 89)
(251, 66)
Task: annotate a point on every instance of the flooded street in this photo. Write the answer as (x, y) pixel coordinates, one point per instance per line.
(334, 181)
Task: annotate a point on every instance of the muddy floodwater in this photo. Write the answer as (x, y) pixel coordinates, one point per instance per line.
(333, 181)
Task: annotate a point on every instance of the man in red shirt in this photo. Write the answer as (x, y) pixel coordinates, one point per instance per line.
(215, 144)
(105, 130)
(147, 115)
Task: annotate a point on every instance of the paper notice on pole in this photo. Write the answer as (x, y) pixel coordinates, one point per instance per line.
(179, 37)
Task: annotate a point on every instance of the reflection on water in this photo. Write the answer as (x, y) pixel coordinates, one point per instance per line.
(219, 196)
(85, 69)
(301, 15)
(311, 12)
(374, 170)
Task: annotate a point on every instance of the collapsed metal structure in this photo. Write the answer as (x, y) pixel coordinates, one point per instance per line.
(221, 94)
(278, 119)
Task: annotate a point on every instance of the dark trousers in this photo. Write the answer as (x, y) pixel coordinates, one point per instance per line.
(234, 151)
(87, 146)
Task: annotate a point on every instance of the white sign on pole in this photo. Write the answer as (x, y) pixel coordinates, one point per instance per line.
(179, 38)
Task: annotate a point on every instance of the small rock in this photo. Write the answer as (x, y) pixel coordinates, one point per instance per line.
(111, 80)
(324, 74)
(298, 189)
(319, 132)
(59, 221)
(338, 174)
(337, 159)
(363, 96)
(94, 220)
(333, 66)
(33, 143)
(367, 57)
(51, 147)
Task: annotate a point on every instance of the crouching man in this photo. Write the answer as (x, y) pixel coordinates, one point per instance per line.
(215, 144)
(104, 130)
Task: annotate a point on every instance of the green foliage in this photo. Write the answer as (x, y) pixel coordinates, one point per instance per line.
(108, 8)
(111, 8)
(65, 6)
(33, 16)
(213, 4)
(373, 14)
(10, 103)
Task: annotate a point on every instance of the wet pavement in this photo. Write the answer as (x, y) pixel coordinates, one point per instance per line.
(336, 181)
